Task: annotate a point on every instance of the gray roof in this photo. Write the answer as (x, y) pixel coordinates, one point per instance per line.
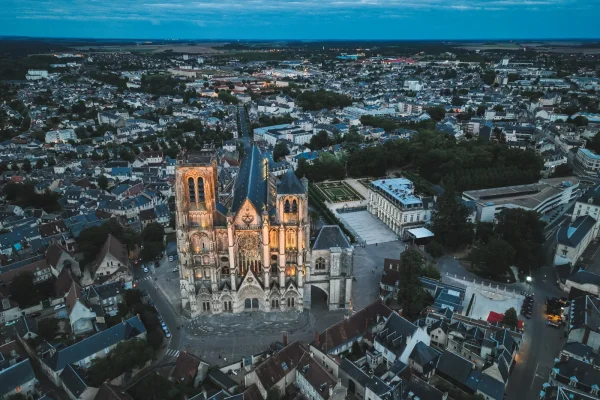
(584, 277)
(251, 183)
(73, 381)
(455, 366)
(491, 387)
(290, 184)
(93, 344)
(423, 354)
(331, 236)
(571, 235)
(15, 375)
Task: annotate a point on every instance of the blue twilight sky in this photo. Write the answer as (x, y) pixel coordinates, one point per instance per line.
(302, 19)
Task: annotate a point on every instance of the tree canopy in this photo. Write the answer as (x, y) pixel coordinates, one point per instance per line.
(24, 195)
(281, 150)
(126, 356)
(411, 294)
(524, 231)
(320, 99)
(510, 318)
(153, 241)
(92, 239)
(450, 221)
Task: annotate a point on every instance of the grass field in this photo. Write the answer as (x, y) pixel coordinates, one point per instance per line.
(338, 192)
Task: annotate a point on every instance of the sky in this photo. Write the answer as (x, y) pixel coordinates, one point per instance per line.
(302, 19)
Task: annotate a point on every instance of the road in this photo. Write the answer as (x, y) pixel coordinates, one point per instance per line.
(171, 316)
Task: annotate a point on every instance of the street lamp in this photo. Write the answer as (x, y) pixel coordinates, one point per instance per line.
(528, 279)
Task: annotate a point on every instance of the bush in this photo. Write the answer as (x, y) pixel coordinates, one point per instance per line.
(434, 249)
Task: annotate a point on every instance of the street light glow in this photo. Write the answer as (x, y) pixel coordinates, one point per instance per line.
(528, 279)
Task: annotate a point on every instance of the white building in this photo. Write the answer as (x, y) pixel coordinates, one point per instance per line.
(36, 74)
(542, 197)
(276, 133)
(60, 136)
(394, 202)
(398, 338)
(413, 85)
(588, 161)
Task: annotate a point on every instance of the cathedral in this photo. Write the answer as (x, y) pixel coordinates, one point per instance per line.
(251, 251)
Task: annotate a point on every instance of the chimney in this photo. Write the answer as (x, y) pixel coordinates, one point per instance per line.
(317, 339)
(285, 339)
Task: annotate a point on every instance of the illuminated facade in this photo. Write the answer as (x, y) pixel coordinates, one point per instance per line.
(255, 254)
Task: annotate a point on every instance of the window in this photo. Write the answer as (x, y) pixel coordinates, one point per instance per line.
(201, 197)
(191, 190)
(254, 303)
(247, 303)
(286, 206)
(294, 206)
(290, 302)
(320, 263)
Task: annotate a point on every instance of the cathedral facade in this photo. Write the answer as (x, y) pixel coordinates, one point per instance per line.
(251, 251)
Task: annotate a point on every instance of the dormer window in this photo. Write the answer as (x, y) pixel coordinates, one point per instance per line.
(590, 200)
(573, 381)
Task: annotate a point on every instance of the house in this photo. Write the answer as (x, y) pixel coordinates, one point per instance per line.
(277, 371)
(315, 382)
(573, 239)
(111, 392)
(111, 262)
(189, 367)
(55, 358)
(17, 378)
(583, 321)
(81, 316)
(398, 338)
(338, 338)
(458, 372)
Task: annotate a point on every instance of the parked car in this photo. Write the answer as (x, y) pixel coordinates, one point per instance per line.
(145, 269)
(35, 315)
(167, 334)
(144, 292)
(59, 307)
(156, 264)
(175, 269)
(164, 326)
(170, 258)
(9, 323)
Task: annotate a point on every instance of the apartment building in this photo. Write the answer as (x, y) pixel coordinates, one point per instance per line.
(588, 161)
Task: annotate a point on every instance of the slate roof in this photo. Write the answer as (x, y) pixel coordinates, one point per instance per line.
(251, 183)
(352, 327)
(455, 367)
(221, 379)
(492, 388)
(421, 389)
(110, 392)
(395, 333)
(571, 235)
(74, 383)
(316, 375)
(423, 354)
(290, 184)
(331, 236)
(93, 344)
(585, 277)
(15, 375)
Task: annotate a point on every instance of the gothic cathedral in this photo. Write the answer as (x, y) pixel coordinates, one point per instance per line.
(247, 247)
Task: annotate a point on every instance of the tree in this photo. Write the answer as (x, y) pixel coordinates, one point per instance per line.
(434, 248)
(39, 164)
(27, 166)
(318, 141)
(153, 232)
(580, 120)
(594, 144)
(92, 239)
(450, 221)
(48, 328)
(411, 294)
(510, 318)
(22, 290)
(127, 355)
(481, 110)
(498, 108)
(281, 150)
(273, 393)
(103, 182)
(524, 231)
(494, 258)
(437, 113)
(562, 170)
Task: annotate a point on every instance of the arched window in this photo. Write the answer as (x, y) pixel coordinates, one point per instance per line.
(225, 270)
(290, 270)
(294, 206)
(247, 303)
(286, 206)
(191, 190)
(255, 303)
(290, 302)
(290, 240)
(274, 269)
(274, 239)
(320, 263)
(196, 243)
(201, 197)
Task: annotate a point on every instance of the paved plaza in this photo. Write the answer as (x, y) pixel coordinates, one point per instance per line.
(369, 228)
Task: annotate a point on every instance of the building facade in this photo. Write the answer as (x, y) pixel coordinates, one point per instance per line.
(252, 253)
(394, 202)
